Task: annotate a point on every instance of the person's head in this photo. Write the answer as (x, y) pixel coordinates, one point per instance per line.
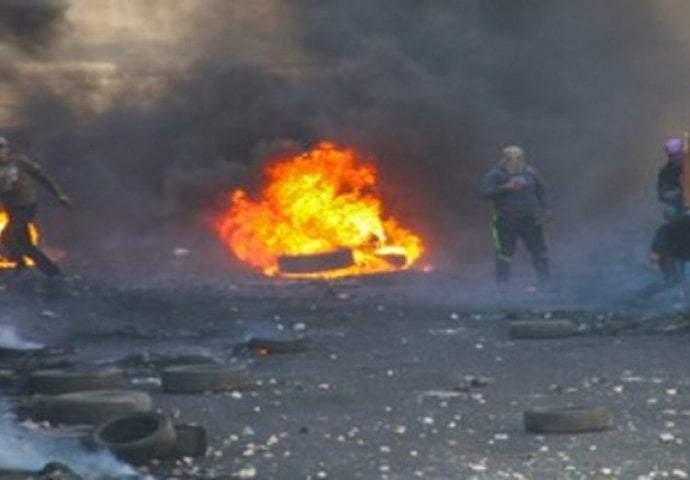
(675, 149)
(513, 159)
(4, 150)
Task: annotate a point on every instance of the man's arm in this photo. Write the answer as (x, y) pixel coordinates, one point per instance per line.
(492, 185)
(667, 188)
(540, 190)
(35, 170)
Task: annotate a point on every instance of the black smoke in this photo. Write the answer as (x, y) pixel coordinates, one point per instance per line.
(431, 89)
(32, 25)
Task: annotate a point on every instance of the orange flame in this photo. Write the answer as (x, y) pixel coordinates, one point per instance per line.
(4, 262)
(320, 201)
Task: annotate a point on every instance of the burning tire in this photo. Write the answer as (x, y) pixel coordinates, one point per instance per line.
(279, 344)
(88, 407)
(57, 381)
(190, 441)
(205, 378)
(319, 262)
(137, 438)
(521, 329)
(396, 260)
(568, 420)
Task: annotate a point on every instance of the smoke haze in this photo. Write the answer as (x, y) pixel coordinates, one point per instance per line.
(32, 25)
(432, 90)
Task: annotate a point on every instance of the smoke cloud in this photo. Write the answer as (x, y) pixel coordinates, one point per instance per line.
(28, 449)
(32, 25)
(432, 90)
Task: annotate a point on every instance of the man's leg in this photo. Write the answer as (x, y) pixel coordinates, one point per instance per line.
(10, 240)
(672, 275)
(532, 233)
(21, 217)
(505, 239)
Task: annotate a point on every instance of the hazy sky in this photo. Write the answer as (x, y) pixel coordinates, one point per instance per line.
(176, 104)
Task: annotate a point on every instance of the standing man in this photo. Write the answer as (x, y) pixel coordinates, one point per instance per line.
(669, 184)
(520, 209)
(18, 197)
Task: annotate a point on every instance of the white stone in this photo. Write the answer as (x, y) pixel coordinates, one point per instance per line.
(246, 472)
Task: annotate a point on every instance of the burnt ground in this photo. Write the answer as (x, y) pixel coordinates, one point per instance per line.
(407, 376)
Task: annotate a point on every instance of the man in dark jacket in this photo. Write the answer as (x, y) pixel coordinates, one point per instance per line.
(19, 198)
(520, 208)
(669, 186)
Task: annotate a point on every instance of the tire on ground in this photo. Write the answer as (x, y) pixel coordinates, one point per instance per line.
(315, 263)
(542, 329)
(198, 378)
(567, 420)
(57, 381)
(91, 407)
(190, 441)
(287, 344)
(137, 438)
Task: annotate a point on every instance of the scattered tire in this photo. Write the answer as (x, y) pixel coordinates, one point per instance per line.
(568, 420)
(205, 377)
(190, 441)
(137, 438)
(57, 381)
(315, 263)
(521, 329)
(90, 407)
(279, 344)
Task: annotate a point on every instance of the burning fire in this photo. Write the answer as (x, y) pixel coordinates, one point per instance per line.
(4, 262)
(320, 201)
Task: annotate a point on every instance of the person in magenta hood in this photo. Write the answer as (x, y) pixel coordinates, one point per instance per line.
(669, 186)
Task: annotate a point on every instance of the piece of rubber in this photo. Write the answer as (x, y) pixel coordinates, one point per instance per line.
(191, 441)
(205, 377)
(568, 420)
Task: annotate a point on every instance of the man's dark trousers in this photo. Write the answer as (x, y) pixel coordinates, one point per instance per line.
(507, 230)
(17, 239)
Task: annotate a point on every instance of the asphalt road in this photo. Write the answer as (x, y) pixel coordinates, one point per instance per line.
(408, 376)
